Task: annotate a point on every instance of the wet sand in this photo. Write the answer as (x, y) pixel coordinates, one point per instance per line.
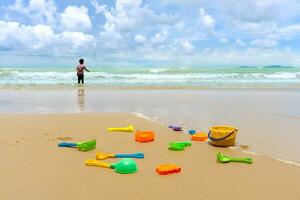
(33, 167)
(268, 119)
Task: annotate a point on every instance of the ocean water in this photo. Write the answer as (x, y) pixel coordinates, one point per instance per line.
(167, 77)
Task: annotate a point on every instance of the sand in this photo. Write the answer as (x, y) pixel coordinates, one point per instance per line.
(268, 119)
(33, 167)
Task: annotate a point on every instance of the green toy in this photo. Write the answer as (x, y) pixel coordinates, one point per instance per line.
(87, 146)
(124, 166)
(179, 146)
(82, 146)
(227, 159)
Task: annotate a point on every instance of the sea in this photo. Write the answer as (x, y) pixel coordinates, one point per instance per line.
(157, 77)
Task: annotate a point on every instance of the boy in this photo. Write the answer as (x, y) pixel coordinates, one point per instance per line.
(80, 71)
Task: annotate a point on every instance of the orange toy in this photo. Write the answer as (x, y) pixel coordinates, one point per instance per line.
(144, 136)
(199, 137)
(166, 169)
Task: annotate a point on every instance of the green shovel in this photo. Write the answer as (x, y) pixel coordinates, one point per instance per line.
(124, 166)
(227, 159)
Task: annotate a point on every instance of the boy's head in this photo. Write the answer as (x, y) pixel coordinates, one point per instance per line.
(81, 61)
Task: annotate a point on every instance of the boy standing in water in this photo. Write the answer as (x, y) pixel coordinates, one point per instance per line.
(80, 71)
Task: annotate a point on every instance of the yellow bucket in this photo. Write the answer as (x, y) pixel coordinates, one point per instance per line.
(223, 136)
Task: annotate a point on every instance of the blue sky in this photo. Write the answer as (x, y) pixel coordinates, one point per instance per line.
(150, 32)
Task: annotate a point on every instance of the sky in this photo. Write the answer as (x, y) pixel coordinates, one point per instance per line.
(150, 32)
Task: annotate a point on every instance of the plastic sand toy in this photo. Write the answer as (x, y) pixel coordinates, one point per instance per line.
(166, 169)
(124, 166)
(223, 136)
(199, 137)
(192, 132)
(82, 146)
(176, 128)
(226, 159)
(179, 146)
(103, 156)
(129, 128)
(144, 136)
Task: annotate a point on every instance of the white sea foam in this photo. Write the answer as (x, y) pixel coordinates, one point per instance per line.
(155, 77)
(288, 162)
(141, 115)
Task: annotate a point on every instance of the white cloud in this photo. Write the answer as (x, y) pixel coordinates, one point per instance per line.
(223, 40)
(15, 36)
(257, 11)
(75, 19)
(42, 39)
(254, 28)
(128, 18)
(264, 43)
(159, 38)
(140, 38)
(206, 20)
(246, 10)
(182, 46)
(76, 41)
(240, 42)
(99, 8)
(287, 32)
(187, 46)
(39, 11)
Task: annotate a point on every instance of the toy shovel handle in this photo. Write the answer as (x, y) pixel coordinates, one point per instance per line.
(114, 129)
(98, 164)
(67, 144)
(243, 160)
(134, 155)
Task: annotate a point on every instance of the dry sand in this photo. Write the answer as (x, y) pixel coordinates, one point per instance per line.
(33, 167)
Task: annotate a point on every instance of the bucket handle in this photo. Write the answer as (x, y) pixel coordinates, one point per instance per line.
(222, 138)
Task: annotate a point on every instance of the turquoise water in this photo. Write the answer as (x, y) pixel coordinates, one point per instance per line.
(202, 77)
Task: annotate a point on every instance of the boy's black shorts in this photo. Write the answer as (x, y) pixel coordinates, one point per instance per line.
(80, 79)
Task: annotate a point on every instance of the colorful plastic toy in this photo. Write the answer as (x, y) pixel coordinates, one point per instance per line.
(179, 146)
(199, 137)
(144, 136)
(166, 169)
(129, 128)
(223, 136)
(82, 146)
(103, 156)
(227, 159)
(124, 166)
(175, 128)
(192, 132)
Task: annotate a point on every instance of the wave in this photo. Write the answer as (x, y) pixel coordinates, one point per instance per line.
(152, 77)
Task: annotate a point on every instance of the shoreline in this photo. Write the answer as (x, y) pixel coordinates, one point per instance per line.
(159, 88)
(266, 128)
(234, 148)
(31, 153)
(237, 147)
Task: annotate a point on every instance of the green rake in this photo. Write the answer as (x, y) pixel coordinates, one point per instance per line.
(82, 146)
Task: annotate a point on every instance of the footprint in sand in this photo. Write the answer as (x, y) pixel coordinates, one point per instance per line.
(64, 138)
(245, 147)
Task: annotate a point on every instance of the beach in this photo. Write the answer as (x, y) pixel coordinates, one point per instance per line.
(267, 119)
(224, 72)
(33, 167)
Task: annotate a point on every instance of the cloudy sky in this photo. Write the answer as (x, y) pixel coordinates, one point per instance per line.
(150, 32)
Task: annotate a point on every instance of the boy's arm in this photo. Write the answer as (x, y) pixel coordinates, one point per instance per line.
(87, 69)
